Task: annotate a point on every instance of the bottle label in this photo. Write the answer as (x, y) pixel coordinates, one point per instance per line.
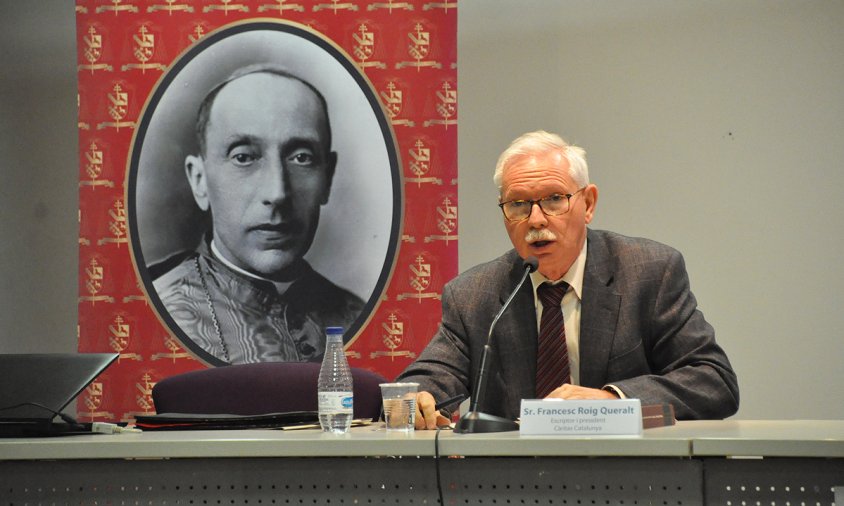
(336, 402)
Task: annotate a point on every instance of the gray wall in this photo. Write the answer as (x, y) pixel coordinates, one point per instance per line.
(716, 127)
(712, 126)
(38, 176)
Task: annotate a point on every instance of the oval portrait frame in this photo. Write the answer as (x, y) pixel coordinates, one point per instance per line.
(357, 240)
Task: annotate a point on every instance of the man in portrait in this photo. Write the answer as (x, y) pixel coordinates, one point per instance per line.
(263, 171)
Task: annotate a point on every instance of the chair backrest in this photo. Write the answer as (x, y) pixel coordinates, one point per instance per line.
(259, 388)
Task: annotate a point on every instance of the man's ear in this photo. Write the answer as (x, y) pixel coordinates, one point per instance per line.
(329, 176)
(195, 170)
(590, 195)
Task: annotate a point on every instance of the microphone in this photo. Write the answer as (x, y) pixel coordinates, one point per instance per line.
(475, 421)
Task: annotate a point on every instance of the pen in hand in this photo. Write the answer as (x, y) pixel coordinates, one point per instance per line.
(449, 401)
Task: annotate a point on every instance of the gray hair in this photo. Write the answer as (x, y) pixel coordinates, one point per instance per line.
(541, 142)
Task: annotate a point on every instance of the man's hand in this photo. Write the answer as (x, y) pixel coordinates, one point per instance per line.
(574, 392)
(426, 416)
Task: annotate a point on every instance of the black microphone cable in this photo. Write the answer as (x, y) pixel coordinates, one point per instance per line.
(67, 418)
(73, 424)
(437, 462)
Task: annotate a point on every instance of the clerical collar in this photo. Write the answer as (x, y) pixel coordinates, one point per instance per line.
(574, 276)
(280, 286)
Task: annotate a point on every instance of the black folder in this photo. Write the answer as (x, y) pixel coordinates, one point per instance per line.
(216, 421)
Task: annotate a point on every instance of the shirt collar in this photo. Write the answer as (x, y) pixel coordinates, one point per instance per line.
(280, 286)
(574, 276)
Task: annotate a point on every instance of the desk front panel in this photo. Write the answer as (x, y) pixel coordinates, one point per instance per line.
(354, 481)
(772, 481)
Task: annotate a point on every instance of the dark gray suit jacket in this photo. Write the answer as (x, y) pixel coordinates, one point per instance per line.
(640, 330)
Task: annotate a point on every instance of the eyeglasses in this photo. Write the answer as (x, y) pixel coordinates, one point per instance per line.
(552, 205)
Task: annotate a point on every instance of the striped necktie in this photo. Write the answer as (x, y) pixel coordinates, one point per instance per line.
(552, 357)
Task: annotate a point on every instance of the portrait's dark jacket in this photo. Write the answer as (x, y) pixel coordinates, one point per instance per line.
(256, 322)
(640, 330)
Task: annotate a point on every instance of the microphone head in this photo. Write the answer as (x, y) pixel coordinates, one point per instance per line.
(531, 263)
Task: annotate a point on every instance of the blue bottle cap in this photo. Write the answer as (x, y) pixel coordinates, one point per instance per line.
(334, 330)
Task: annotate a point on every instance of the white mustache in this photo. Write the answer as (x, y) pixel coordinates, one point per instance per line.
(539, 234)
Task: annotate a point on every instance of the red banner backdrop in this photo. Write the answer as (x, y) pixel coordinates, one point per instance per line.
(408, 52)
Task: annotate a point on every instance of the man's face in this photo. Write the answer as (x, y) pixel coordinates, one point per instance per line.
(555, 241)
(266, 171)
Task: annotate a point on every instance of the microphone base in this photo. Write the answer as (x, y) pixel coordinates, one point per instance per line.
(475, 422)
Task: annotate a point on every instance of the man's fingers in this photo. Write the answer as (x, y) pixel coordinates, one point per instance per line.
(575, 392)
(427, 417)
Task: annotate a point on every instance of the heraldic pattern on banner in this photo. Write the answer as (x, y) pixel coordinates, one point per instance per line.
(251, 171)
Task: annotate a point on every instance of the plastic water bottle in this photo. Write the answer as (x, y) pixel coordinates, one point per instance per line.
(335, 391)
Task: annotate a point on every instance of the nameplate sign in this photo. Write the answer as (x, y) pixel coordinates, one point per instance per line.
(552, 417)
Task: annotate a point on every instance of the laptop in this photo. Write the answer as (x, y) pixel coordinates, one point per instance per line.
(36, 387)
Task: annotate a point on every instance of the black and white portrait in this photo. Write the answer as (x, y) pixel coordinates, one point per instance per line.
(264, 195)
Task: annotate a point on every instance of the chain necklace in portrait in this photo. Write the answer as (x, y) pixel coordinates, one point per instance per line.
(213, 312)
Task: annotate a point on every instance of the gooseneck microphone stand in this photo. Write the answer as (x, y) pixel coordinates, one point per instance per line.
(476, 421)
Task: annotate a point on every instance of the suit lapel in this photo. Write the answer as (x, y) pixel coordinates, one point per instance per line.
(599, 313)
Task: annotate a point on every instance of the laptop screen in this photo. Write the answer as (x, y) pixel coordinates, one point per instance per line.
(36, 386)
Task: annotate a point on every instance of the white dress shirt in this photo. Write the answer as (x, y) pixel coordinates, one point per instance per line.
(571, 305)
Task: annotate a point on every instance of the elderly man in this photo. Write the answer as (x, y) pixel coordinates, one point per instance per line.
(263, 171)
(623, 323)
